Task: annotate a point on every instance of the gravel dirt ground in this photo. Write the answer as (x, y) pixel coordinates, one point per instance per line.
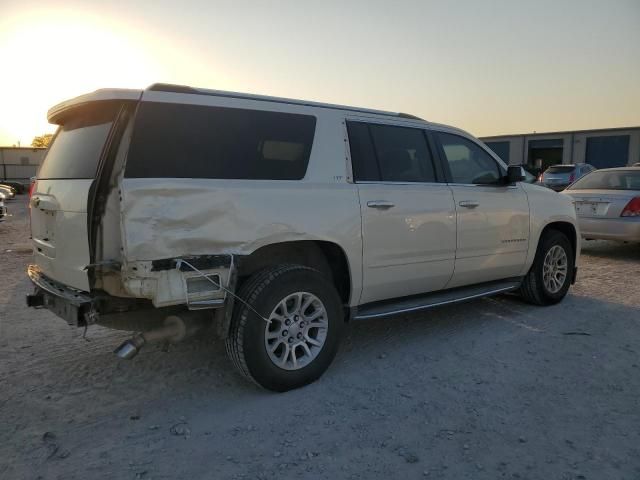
(489, 389)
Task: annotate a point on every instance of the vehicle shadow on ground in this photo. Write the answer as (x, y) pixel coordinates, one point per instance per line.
(364, 340)
(199, 367)
(202, 360)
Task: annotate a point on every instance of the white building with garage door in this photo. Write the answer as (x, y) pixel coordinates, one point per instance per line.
(20, 163)
(610, 147)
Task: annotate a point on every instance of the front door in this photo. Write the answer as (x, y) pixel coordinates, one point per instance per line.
(408, 218)
(492, 218)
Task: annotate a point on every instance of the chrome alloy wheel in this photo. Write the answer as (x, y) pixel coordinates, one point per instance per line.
(296, 331)
(554, 269)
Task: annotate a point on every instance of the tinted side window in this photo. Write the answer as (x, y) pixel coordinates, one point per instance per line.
(403, 154)
(193, 141)
(468, 163)
(363, 156)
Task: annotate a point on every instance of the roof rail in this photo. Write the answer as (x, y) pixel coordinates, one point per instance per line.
(410, 117)
(170, 88)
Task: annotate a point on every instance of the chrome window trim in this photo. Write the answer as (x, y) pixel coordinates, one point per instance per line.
(371, 182)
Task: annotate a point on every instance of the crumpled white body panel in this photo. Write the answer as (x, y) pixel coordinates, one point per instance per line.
(170, 218)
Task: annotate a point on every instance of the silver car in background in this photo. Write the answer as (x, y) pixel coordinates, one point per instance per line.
(559, 177)
(607, 204)
(8, 192)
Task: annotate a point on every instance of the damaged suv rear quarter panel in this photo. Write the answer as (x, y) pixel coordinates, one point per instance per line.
(178, 217)
(175, 217)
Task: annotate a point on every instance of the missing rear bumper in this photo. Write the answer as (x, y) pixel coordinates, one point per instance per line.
(79, 308)
(69, 312)
(75, 307)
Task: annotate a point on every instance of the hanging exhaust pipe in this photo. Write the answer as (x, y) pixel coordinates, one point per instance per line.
(175, 329)
(131, 347)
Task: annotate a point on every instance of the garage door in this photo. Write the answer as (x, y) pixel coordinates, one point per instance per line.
(501, 149)
(607, 152)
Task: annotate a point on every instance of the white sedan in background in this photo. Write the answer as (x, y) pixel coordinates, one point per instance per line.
(608, 204)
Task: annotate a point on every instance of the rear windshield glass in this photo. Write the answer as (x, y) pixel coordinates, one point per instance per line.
(609, 180)
(561, 169)
(77, 146)
(193, 141)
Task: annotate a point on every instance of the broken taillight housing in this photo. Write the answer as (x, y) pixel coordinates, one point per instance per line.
(32, 186)
(632, 209)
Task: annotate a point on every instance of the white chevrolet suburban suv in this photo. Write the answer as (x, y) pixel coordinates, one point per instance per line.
(171, 209)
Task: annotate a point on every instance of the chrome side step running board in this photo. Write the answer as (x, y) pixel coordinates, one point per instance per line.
(416, 303)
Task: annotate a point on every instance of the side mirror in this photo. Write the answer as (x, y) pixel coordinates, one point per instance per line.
(515, 173)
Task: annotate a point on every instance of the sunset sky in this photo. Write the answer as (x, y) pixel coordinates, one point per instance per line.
(489, 67)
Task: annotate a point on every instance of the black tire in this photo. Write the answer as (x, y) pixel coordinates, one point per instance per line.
(533, 289)
(245, 342)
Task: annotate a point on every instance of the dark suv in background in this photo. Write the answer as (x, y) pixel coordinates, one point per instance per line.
(559, 177)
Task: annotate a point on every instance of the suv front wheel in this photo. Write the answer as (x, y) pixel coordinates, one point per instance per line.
(288, 331)
(550, 276)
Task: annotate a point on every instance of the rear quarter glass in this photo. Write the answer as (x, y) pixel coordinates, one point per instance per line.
(193, 141)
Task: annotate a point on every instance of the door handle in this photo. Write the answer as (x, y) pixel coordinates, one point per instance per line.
(469, 204)
(381, 204)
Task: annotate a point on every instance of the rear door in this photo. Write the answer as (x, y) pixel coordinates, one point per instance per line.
(492, 218)
(408, 217)
(63, 192)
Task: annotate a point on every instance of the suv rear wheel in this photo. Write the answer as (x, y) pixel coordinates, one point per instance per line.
(550, 276)
(288, 333)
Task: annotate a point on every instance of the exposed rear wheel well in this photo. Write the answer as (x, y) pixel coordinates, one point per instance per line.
(567, 229)
(326, 257)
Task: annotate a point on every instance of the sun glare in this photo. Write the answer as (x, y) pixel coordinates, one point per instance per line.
(57, 56)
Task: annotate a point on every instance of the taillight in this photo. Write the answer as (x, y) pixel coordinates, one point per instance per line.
(31, 189)
(540, 177)
(632, 209)
(572, 177)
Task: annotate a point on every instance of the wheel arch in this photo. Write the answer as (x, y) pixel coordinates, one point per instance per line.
(568, 229)
(532, 288)
(562, 224)
(327, 257)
